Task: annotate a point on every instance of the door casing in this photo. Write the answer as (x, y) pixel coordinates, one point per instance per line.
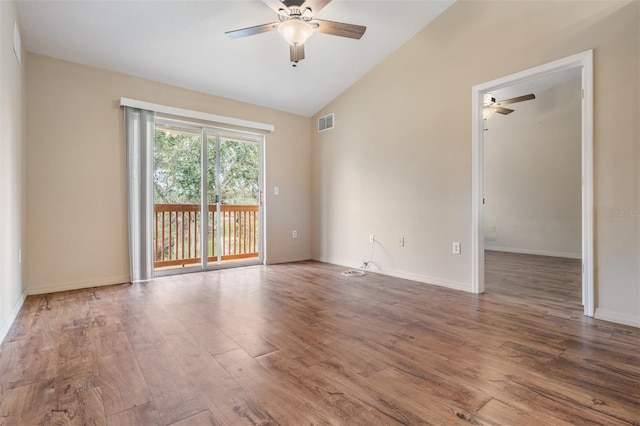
(583, 61)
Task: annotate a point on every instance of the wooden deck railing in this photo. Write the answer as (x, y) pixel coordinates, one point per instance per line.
(177, 233)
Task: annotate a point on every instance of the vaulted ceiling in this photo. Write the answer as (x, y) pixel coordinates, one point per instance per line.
(183, 43)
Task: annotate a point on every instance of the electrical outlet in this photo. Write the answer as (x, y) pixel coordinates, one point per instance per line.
(456, 248)
(401, 242)
(294, 234)
(493, 229)
(372, 238)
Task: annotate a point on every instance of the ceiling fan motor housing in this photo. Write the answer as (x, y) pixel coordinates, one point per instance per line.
(293, 3)
(488, 99)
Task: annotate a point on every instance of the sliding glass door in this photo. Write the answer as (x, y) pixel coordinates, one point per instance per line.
(177, 194)
(233, 194)
(207, 198)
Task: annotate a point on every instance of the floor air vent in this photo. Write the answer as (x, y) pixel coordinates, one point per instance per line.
(325, 122)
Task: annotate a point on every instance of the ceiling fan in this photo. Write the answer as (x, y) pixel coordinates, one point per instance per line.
(491, 106)
(297, 22)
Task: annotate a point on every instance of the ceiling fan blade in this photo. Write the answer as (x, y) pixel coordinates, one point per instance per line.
(315, 5)
(296, 52)
(278, 7)
(518, 99)
(244, 32)
(339, 28)
(504, 111)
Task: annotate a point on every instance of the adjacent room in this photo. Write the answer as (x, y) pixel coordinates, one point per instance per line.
(319, 212)
(533, 190)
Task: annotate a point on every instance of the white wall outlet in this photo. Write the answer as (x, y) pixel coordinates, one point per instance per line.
(493, 229)
(276, 190)
(456, 248)
(372, 238)
(401, 242)
(294, 234)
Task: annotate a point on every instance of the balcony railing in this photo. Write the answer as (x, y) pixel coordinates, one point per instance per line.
(178, 235)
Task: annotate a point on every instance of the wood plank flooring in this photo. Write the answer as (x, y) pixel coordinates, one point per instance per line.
(300, 343)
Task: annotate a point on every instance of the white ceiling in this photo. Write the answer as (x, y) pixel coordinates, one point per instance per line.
(539, 84)
(182, 43)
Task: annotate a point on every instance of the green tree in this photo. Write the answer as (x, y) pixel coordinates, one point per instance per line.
(177, 159)
(178, 165)
(239, 167)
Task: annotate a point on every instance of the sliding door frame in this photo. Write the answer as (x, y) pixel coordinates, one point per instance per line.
(207, 131)
(218, 134)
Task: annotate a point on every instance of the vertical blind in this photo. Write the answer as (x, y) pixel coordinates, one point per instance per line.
(140, 131)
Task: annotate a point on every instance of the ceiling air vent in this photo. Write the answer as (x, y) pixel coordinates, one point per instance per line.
(325, 122)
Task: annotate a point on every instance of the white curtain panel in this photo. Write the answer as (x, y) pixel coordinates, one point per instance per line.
(140, 132)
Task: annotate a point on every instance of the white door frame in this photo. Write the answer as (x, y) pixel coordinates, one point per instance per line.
(209, 130)
(583, 61)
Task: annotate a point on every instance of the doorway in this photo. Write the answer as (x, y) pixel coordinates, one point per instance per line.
(583, 62)
(207, 190)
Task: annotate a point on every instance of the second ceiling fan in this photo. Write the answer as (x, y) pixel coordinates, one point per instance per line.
(491, 106)
(297, 22)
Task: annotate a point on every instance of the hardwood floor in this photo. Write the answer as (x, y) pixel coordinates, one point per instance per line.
(302, 344)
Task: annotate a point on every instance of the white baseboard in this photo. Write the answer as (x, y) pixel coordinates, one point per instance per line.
(617, 317)
(78, 285)
(4, 330)
(440, 282)
(550, 253)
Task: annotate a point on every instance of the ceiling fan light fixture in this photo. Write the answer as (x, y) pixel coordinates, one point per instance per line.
(295, 31)
(487, 112)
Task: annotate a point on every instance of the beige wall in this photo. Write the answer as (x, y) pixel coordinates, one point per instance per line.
(12, 143)
(398, 162)
(76, 206)
(532, 175)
